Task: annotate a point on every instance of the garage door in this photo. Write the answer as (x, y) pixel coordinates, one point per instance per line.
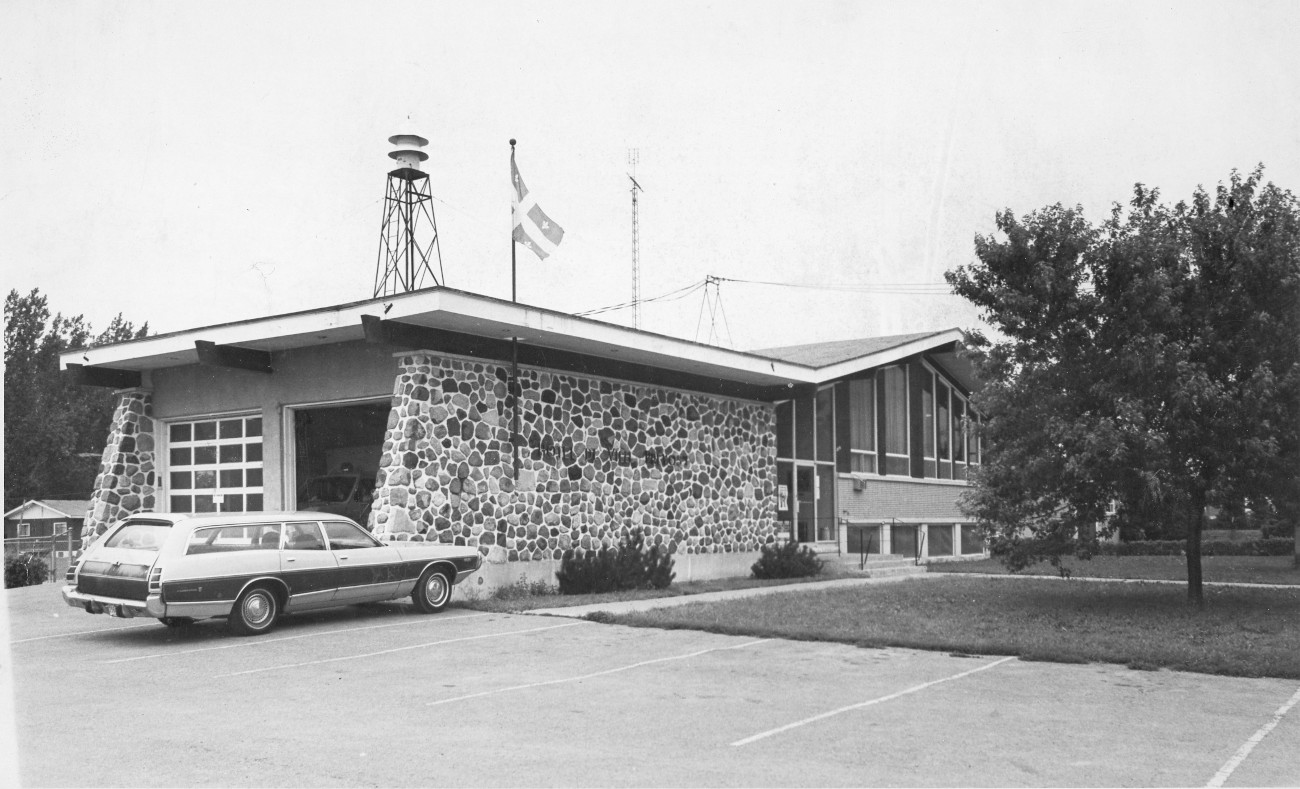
(215, 465)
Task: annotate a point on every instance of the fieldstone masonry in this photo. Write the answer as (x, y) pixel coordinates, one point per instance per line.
(126, 480)
(598, 458)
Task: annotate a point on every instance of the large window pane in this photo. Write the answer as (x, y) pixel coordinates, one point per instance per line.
(862, 414)
(927, 416)
(940, 538)
(896, 410)
(826, 424)
(803, 428)
(944, 426)
(784, 429)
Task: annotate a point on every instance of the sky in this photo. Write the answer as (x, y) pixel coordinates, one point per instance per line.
(193, 163)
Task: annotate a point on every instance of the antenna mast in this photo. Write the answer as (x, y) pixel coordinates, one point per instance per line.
(633, 156)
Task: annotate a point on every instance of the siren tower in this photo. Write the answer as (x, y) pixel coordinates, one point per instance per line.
(408, 234)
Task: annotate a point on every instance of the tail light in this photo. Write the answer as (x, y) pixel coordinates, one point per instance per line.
(155, 581)
(71, 575)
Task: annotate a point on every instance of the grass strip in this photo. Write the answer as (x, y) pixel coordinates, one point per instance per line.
(1241, 632)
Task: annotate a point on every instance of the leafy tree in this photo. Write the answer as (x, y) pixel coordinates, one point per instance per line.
(1152, 361)
(54, 431)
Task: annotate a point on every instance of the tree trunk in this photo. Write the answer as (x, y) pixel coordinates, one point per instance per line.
(1194, 594)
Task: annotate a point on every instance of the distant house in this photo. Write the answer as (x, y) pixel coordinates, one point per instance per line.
(40, 519)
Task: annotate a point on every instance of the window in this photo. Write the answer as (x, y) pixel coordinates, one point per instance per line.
(896, 431)
(345, 536)
(826, 424)
(803, 428)
(215, 465)
(223, 539)
(784, 429)
(972, 540)
(862, 424)
(944, 431)
(303, 537)
(142, 536)
(940, 537)
(24, 530)
(60, 528)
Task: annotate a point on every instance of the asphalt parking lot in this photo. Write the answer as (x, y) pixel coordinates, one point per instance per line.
(381, 696)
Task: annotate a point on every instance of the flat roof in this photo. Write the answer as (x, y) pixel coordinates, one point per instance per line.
(484, 316)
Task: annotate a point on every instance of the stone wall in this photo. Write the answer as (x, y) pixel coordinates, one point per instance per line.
(597, 459)
(126, 480)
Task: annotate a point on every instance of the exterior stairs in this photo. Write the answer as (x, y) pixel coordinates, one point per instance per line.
(879, 565)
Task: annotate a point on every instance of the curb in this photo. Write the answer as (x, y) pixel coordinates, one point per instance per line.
(631, 606)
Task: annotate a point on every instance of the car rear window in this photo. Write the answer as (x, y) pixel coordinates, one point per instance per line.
(142, 536)
(223, 539)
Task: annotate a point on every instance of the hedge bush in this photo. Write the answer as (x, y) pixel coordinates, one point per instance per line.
(1268, 546)
(25, 570)
(790, 560)
(632, 565)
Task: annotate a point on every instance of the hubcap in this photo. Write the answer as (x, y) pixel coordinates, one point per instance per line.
(257, 609)
(435, 588)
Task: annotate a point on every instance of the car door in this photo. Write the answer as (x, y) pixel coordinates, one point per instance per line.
(307, 567)
(368, 569)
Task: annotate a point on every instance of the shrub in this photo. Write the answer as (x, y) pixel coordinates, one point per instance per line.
(25, 570)
(791, 560)
(525, 588)
(631, 566)
(1268, 546)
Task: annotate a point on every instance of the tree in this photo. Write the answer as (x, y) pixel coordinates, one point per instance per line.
(54, 431)
(1153, 362)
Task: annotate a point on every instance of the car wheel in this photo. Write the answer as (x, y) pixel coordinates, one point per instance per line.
(177, 621)
(432, 591)
(255, 612)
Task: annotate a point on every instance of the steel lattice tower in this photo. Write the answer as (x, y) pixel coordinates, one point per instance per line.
(408, 234)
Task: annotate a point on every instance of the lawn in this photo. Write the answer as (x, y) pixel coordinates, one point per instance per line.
(1241, 569)
(1242, 631)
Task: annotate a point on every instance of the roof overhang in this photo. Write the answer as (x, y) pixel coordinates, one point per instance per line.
(450, 310)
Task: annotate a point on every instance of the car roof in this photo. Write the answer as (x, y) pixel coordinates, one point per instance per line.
(234, 518)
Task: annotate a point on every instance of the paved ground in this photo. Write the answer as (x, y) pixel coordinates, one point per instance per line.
(382, 696)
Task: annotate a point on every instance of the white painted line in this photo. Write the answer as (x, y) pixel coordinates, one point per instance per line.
(82, 633)
(593, 674)
(1256, 738)
(397, 649)
(859, 705)
(235, 644)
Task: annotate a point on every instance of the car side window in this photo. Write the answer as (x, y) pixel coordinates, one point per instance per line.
(223, 539)
(303, 537)
(346, 536)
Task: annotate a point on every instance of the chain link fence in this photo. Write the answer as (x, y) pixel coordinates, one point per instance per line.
(54, 552)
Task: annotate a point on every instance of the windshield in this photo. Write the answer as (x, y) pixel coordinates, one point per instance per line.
(140, 536)
(329, 489)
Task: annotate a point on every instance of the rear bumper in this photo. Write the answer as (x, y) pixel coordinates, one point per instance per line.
(113, 606)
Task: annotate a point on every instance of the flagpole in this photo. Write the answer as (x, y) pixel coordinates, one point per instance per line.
(514, 339)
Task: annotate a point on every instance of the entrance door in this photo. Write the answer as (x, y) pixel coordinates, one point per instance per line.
(805, 502)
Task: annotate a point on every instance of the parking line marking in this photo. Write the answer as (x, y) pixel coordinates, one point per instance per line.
(1256, 739)
(593, 674)
(397, 649)
(77, 633)
(261, 641)
(861, 704)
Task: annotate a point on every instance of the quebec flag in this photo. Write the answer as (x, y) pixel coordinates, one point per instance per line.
(533, 228)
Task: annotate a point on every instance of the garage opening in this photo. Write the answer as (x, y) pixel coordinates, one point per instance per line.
(336, 456)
